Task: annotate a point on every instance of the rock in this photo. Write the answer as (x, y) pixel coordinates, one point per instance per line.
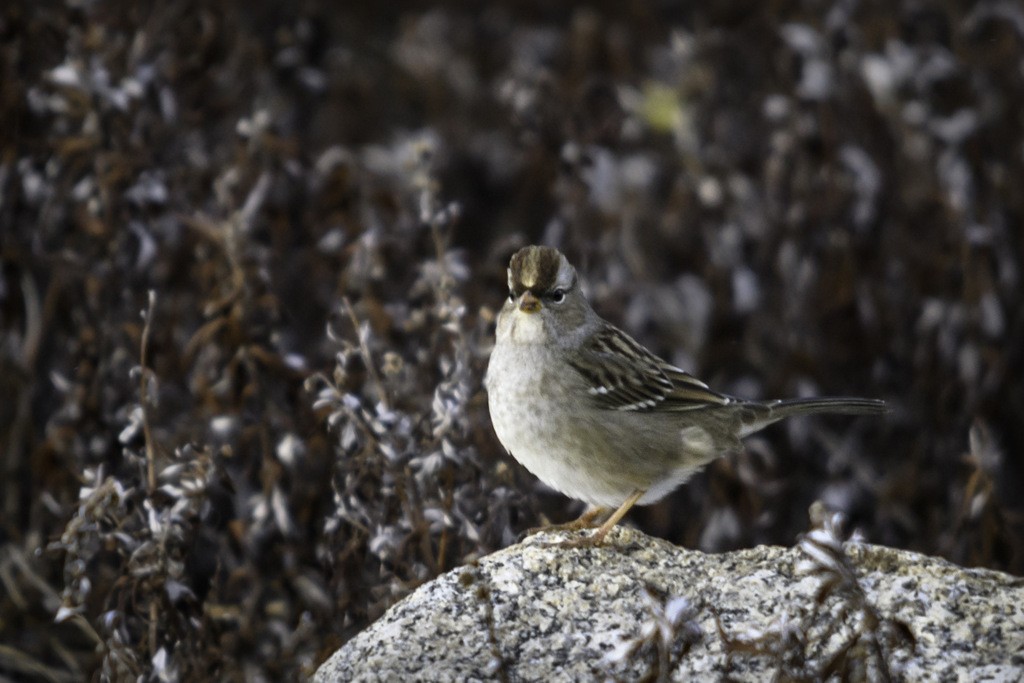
(641, 607)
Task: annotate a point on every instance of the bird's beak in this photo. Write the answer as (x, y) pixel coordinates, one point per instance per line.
(528, 303)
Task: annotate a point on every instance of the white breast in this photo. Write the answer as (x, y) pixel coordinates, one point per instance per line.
(533, 426)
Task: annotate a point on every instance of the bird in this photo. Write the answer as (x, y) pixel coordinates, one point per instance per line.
(597, 416)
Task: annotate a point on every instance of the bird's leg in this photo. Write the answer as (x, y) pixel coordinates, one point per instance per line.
(598, 537)
(616, 517)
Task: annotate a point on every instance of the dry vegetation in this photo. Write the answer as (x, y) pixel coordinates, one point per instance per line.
(250, 254)
(837, 635)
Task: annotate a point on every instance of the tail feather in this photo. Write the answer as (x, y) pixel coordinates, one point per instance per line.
(765, 413)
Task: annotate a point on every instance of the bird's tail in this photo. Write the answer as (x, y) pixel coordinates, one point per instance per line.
(762, 414)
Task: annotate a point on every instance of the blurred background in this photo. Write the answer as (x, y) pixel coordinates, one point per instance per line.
(251, 254)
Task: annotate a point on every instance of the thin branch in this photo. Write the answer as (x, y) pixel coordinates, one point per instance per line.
(364, 350)
(144, 377)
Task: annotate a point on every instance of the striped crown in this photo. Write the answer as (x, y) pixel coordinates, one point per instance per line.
(539, 269)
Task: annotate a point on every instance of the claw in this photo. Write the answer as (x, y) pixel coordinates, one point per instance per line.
(598, 536)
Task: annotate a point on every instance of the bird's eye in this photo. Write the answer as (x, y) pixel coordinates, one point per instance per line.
(558, 296)
(511, 295)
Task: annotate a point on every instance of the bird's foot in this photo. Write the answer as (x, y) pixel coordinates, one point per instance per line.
(584, 521)
(597, 538)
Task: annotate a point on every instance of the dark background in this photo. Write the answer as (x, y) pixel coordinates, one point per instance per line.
(785, 198)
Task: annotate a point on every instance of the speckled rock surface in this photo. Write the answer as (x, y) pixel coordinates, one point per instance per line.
(537, 612)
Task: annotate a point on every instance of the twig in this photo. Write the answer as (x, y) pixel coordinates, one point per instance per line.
(364, 350)
(144, 377)
(13, 660)
(21, 425)
(33, 323)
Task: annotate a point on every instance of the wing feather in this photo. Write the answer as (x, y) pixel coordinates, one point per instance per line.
(623, 375)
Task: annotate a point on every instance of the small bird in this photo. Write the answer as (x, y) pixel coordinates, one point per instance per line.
(594, 414)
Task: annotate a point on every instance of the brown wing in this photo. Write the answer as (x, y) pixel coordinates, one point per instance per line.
(623, 375)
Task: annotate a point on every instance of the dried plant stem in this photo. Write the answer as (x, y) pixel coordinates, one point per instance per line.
(364, 350)
(409, 496)
(440, 248)
(152, 626)
(15, 661)
(144, 378)
(33, 322)
(21, 425)
(144, 393)
(443, 292)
